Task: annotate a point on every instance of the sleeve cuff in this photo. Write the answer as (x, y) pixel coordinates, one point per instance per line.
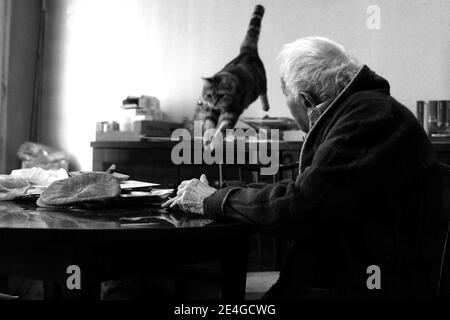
(214, 204)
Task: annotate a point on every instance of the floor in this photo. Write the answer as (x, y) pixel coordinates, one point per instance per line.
(257, 284)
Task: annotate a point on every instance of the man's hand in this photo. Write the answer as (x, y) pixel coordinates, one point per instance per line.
(191, 194)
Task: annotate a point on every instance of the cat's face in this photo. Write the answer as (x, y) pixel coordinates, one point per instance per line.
(219, 92)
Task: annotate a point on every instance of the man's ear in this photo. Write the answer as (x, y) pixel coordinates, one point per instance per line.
(308, 101)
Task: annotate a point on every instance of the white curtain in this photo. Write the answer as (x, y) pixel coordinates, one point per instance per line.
(5, 18)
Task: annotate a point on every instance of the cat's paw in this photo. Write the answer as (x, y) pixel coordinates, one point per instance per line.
(212, 144)
(208, 137)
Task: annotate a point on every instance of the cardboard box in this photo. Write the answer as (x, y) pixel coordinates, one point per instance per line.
(150, 128)
(117, 136)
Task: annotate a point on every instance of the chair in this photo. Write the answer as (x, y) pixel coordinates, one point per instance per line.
(255, 169)
(443, 286)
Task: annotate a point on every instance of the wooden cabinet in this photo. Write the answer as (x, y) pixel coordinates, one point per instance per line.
(151, 161)
(141, 160)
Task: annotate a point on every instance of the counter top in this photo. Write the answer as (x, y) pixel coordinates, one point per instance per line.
(167, 143)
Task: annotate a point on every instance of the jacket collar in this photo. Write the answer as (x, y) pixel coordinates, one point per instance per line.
(365, 79)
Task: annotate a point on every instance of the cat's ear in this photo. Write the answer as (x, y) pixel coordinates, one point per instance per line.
(207, 81)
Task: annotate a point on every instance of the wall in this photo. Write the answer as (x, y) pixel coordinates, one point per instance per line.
(23, 41)
(100, 51)
(5, 11)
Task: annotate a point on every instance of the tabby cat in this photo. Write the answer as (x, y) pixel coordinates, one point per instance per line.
(230, 91)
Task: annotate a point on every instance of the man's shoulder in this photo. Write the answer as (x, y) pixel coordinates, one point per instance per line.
(372, 97)
(369, 109)
(375, 102)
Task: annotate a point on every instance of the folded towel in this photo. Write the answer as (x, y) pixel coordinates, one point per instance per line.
(86, 187)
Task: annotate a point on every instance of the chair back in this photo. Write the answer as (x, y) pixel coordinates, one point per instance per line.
(443, 286)
(266, 252)
(251, 173)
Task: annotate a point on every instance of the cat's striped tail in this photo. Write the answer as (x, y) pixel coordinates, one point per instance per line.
(251, 39)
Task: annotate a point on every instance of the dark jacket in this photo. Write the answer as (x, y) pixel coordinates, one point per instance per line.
(368, 193)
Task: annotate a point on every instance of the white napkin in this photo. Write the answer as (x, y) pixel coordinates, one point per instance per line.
(39, 176)
(12, 187)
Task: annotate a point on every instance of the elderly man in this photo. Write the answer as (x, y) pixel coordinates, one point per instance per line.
(364, 209)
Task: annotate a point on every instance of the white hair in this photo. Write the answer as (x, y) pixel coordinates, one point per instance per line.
(318, 66)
